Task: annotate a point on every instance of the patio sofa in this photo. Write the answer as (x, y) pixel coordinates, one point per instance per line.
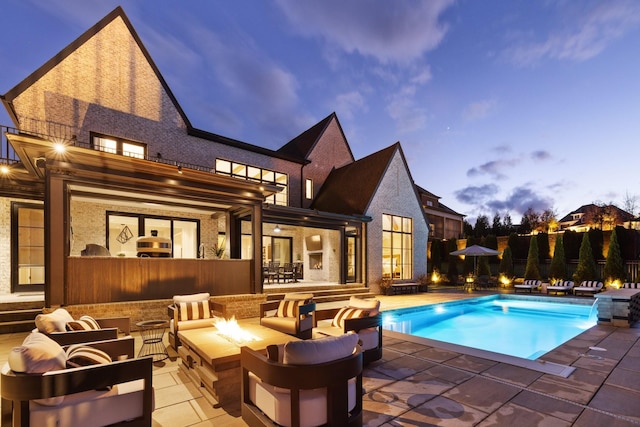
(303, 383)
(191, 312)
(528, 285)
(588, 287)
(292, 315)
(61, 327)
(362, 315)
(90, 384)
(564, 286)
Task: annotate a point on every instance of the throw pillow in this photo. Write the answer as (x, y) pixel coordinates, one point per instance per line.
(299, 296)
(85, 323)
(370, 304)
(177, 299)
(84, 355)
(37, 354)
(348, 313)
(311, 352)
(194, 310)
(55, 321)
(288, 308)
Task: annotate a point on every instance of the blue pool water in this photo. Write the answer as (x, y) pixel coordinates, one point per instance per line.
(515, 326)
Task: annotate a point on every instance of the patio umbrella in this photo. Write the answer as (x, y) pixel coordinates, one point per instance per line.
(475, 251)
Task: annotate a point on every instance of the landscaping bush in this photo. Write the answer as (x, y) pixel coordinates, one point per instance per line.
(614, 267)
(558, 268)
(586, 269)
(532, 270)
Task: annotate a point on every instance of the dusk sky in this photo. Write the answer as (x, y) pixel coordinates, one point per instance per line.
(499, 105)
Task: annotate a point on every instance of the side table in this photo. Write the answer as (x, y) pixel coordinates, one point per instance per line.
(152, 333)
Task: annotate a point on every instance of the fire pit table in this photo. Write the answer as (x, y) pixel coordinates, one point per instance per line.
(213, 361)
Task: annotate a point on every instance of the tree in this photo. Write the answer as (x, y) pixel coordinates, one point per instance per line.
(467, 228)
(558, 268)
(506, 264)
(548, 221)
(543, 246)
(436, 255)
(452, 270)
(530, 221)
(614, 267)
(507, 224)
(496, 227)
(586, 269)
(532, 270)
(482, 226)
(630, 203)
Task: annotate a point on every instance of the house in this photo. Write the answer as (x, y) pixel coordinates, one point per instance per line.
(603, 217)
(445, 222)
(101, 154)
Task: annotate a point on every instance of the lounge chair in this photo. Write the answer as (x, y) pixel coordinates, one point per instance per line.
(292, 315)
(44, 384)
(528, 285)
(564, 286)
(303, 383)
(588, 287)
(362, 316)
(191, 312)
(61, 327)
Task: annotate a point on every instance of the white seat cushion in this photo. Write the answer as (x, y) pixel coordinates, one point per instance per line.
(92, 408)
(275, 402)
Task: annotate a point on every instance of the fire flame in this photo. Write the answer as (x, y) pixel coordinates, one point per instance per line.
(231, 330)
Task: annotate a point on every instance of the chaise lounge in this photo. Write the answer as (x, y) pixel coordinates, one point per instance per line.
(588, 287)
(564, 286)
(528, 285)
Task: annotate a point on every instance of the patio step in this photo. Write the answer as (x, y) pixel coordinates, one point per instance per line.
(20, 320)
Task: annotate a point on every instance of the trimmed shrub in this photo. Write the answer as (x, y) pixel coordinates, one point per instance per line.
(586, 269)
(614, 267)
(532, 270)
(558, 268)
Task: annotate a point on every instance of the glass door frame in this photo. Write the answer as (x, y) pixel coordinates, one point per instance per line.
(15, 262)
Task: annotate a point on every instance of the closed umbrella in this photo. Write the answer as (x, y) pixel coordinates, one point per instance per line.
(475, 251)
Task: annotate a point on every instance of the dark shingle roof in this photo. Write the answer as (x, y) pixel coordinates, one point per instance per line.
(349, 189)
(301, 145)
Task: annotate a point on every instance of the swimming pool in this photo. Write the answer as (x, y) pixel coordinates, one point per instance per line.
(518, 326)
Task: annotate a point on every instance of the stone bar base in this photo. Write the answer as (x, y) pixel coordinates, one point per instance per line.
(618, 307)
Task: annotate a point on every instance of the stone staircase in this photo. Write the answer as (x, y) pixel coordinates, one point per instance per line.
(19, 316)
(321, 293)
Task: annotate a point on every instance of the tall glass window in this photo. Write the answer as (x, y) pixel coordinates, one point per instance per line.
(28, 254)
(397, 247)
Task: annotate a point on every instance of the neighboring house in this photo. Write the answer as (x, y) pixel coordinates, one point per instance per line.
(101, 153)
(445, 223)
(605, 217)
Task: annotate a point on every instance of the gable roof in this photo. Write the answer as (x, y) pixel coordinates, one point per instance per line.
(302, 145)
(118, 12)
(349, 190)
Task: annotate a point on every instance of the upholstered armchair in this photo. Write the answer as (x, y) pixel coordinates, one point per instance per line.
(191, 312)
(292, 315)
(61, 327)
(303, 383)
(362, 316)
(90, 384)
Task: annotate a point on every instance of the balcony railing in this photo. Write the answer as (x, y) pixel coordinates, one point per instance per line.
(7, 155)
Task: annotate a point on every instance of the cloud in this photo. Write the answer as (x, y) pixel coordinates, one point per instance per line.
(520, 199)
(346, 104)
(476, 195)
(592, 32)
(541, 155)
(406, 113)
(479, 110)
(493, 168)
(398, 31)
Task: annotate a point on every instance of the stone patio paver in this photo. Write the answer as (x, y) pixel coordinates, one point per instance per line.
(514, 415)
(482, 393)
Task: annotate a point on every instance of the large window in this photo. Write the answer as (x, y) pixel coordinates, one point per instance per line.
(28, 251)
(110, 144)
(251, 173)
(397, 247)
(124, 229)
